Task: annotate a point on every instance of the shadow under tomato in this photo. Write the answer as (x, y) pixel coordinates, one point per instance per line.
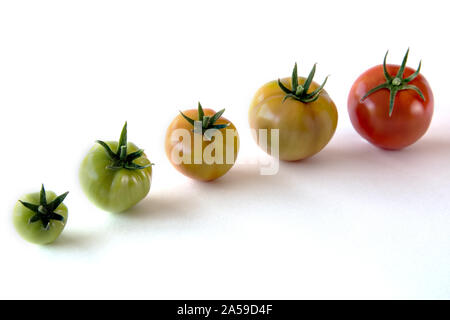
(249, 177)
(348, 150)
(160, 206)
(432, 147)
(244, 186)
(74, 240)
(351, 166)
(348, 165)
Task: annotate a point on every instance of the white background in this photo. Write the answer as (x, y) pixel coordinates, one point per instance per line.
(352, 222)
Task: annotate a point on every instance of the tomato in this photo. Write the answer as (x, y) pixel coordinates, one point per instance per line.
(40, 217)
(391, 106)
(116, 175)
(202, 149)
(301, 110)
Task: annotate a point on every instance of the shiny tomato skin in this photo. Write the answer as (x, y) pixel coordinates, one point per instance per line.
(203, 171)
(114, 190)
(304, 128)
(411, 115)
(35, 232)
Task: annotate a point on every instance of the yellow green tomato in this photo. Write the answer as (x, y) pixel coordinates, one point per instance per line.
(115, 176)
(300, 109)
(40, 217)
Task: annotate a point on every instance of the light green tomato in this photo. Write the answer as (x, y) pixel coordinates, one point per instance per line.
(36, 232)
(111, 185)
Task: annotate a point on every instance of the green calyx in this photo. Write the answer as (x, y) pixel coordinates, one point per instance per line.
(45, 212)
(205, 123)
(299, 92)
(121, 159)
(397, 83)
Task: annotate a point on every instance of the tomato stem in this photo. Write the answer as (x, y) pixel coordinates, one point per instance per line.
(121, 159)
(397, 83)
(206, 122)
(44, 212)
(300, 92)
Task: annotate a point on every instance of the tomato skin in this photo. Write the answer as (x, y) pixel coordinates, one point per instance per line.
(411, 115)
(304, 128)
(35, 232)
(202, 171)
(114, 190)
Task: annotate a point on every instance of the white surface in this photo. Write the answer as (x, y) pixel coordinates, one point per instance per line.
(352, 222)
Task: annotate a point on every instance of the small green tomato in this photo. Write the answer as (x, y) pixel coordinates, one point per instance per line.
(40, 217)
(115, 176)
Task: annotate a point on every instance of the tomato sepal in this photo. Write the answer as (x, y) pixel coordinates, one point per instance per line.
(397, 83)
(44, 212)
(121, 159)
(300, 92)
(206, 122)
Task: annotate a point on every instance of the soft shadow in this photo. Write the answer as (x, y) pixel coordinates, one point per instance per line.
(246, 176)
(361, 168)
(73, 240)
(242, 185)
(433, 147)
(361, 154)
(160, 206)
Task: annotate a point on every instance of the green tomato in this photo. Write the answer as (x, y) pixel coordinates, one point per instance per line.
(40, 217)
(115, 176)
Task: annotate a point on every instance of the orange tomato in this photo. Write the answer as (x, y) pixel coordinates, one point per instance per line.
(204, 154)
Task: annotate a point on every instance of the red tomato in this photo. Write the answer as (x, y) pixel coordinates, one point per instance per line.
(411, 106)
